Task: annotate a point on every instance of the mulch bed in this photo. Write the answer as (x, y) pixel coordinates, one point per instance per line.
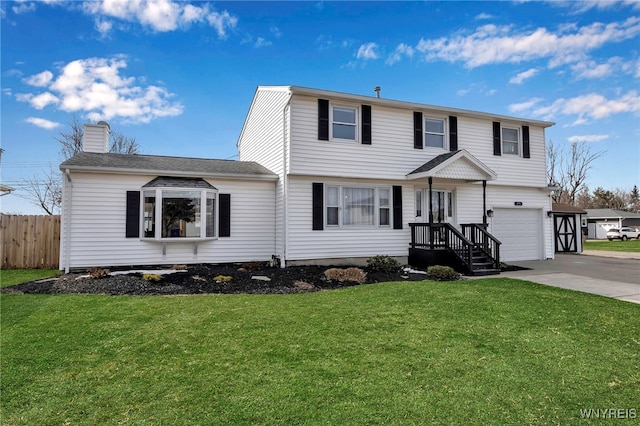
(200, 279)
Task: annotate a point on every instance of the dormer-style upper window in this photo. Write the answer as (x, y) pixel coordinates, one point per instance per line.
(510, 141)
(434, 132)
(344, 123)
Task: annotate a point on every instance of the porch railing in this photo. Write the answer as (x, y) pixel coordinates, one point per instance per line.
(483, 241)
(442, 236)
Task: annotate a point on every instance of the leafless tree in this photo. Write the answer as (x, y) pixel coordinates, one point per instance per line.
(45, 189)
(569, 169)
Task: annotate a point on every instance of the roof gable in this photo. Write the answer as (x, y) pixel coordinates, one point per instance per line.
(458, 165)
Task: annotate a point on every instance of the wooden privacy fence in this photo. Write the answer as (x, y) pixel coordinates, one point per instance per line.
(29, 241)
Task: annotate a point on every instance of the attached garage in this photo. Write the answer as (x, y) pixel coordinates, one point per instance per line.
(520, 231)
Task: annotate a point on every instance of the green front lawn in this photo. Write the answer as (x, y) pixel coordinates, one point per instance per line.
(16, 276)
(615, 245)
(488, 351)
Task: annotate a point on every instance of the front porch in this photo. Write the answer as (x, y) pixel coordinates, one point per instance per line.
(473, 251)
(469, 249)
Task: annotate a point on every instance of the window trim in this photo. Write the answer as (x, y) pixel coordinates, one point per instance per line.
(204, 195)
(376, 206)
(356, 124)
(445, 132)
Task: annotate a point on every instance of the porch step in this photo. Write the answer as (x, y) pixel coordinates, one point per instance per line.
(482, 272)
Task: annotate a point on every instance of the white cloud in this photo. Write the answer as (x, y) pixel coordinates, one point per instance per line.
(483, 16)
(42, 123)
(23, 7)
(159, 15)
(491, 44)
(525, 75)
(578, 7)
(524, 106)
(39, 80)
(96, 87)
(261, 42)
(401, 50)
(367, 51)
(587, 138)
(592, 105)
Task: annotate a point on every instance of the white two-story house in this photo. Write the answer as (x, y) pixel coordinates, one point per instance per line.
(322, 177)
(354, 172)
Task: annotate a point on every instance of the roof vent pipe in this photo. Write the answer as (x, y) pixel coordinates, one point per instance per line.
(377, 90)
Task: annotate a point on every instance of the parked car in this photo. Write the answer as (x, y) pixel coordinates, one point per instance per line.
(623, 234)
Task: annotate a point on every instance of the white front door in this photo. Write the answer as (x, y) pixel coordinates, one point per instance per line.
(441, 205)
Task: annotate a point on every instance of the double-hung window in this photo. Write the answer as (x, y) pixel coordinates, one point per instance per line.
(510, 141)
(358, 206)
(174, 212)
(434, 132)
(344, 123)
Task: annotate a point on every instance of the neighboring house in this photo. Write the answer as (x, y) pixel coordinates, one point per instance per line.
(567, 226)
(6, 190)
(600, 221)
(323, 177)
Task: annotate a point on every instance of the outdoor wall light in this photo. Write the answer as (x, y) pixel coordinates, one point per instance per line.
(489, 213)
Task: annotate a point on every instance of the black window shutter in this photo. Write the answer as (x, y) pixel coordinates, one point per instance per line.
(417, 130)
(366, 124)
(497, 139)
(318, 206)
(224, 218)
(526, 147)
(397, 206)
(133, 214)
(323, 119)
(453, 133)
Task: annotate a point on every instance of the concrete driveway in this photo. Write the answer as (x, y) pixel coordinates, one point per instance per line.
(617, 277)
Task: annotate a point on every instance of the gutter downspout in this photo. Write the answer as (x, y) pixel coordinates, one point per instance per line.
(285, 184)
(67, 221)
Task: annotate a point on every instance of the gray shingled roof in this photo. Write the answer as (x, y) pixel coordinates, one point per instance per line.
(610, 213)
(434, 162)
(178, 182)
(195, 167)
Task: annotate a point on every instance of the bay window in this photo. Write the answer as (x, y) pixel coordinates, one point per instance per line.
(174, 212)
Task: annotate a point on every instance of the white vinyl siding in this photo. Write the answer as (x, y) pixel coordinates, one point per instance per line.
(98, 217)
(346, 242)
(265, 140)
(391, 154)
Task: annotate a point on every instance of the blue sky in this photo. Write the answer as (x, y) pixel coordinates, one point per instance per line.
(179, 76)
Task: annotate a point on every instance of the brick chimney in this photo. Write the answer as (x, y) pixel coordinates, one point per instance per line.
(96, 137)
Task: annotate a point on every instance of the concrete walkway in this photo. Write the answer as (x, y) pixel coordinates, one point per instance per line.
(610, 274)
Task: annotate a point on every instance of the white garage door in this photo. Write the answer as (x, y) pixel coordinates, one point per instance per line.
(520, 231)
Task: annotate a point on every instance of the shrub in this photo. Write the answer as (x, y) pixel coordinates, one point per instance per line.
(98, 273)
(350, 274)
(303, 285)
(253, 266)
(384, 264)
(151, 277)
(442, 273)
(222, 278)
